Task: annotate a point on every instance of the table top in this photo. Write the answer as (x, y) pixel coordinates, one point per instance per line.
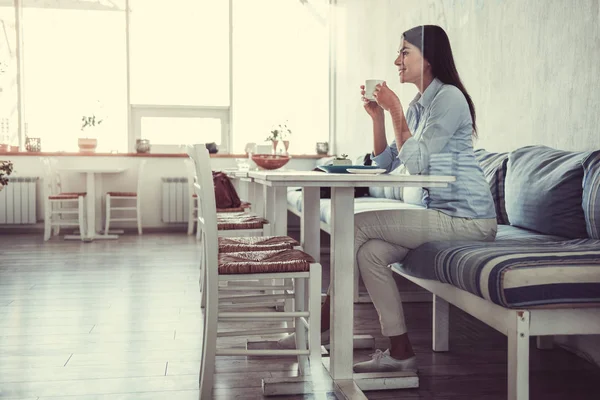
(322, 179)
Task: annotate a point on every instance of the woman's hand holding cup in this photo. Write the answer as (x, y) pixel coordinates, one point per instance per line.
(385, 97)
(371, 106)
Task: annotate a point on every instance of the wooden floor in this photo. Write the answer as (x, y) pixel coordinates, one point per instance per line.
(120, 320)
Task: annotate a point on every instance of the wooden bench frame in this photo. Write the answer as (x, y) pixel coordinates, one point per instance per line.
(517, 324)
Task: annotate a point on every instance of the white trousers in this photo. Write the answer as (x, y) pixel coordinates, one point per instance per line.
(385, 237)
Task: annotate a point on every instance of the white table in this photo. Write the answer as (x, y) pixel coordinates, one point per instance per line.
(342, 242)
(91, 172)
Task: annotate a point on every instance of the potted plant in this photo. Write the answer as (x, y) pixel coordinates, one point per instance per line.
(342, 160)
(89, 125)
(6, 168)
(280, 132)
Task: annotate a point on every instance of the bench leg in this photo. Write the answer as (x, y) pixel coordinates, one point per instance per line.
(518, 357)
(441, 324)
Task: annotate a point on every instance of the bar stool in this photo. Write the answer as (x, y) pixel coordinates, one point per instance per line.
(55, 200)
(126, 197)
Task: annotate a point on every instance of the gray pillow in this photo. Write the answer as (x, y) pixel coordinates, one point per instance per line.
(543, 190)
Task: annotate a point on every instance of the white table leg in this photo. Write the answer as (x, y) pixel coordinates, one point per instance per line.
(90, 187)
(258, 203)
(342, 282)
(310, 222)
(243, 188)
(280, 210)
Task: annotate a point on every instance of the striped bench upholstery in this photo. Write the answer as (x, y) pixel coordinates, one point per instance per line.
(514, 274)
(509, 232)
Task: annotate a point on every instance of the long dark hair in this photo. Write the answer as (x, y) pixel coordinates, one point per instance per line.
(435, 47)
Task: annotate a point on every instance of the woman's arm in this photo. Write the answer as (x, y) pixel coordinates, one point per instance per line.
(388, 100)
(401, 131)
(379, 139)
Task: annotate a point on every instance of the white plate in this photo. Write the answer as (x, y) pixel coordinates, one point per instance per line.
(366, 171)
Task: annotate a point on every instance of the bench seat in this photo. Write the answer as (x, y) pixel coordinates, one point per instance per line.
(521, 269)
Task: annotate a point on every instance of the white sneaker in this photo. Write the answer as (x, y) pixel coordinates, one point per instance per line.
(289, 342)
(383, 362)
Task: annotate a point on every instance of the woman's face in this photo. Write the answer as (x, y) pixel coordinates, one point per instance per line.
(410, 63)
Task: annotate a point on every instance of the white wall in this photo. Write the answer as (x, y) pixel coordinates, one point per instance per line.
(532, 68)
(155, 169)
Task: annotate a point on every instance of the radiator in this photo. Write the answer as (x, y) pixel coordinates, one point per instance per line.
(17, 201)
(175, 199)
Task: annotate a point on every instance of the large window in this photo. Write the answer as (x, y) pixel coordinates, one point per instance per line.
(179, 52)
(173, 72)
(280, 72)
(74, 63)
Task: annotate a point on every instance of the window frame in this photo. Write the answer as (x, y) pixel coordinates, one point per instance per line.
(139, 111)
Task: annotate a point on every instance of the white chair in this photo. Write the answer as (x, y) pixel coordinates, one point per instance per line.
(123, 197)
(58, 204)
(218, 268)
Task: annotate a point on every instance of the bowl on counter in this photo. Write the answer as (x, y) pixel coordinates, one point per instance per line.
(270, 161)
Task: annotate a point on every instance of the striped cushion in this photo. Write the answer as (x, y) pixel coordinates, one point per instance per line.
(544, 191)
(512, 274)
(509, 232)
(494, 169)
(591, 194)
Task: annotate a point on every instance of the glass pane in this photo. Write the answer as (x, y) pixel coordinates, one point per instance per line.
(179, 131)
(9, 112)
(74, 66)
(280, 72)
(180, 52)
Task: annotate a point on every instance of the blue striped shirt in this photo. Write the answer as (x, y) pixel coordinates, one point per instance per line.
(442, 144)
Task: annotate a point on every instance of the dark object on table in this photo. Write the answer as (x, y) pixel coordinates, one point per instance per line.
(142, 145)
(322, 148)
(33, 144)
(212, 148)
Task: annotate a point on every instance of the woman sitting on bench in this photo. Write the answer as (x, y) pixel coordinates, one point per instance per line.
(434, 137)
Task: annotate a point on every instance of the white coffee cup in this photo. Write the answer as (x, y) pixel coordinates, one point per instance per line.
(370, 88)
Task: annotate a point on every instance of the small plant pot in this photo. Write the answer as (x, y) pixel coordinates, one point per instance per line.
(87, 145)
